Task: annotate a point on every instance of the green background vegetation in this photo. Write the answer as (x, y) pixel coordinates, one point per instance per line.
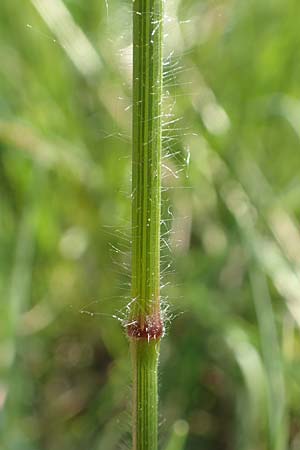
(230, 367)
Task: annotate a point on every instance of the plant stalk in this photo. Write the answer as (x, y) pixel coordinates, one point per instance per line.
(145, 399)
(145, 325)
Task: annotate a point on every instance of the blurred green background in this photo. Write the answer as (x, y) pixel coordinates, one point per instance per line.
(230, 363)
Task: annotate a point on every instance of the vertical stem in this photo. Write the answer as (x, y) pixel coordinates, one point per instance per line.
(145, 399)
(145, 326)
(146, 164)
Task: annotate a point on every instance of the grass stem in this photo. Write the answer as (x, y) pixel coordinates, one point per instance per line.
(145, 326)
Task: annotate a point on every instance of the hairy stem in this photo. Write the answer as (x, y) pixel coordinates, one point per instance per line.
(146, 164)
(145, 327)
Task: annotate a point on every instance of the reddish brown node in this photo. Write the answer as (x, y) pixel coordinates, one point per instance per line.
(151, 329)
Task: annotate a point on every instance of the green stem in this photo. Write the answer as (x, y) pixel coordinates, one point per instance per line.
(145, 327)
(145, 399)
(146, 164)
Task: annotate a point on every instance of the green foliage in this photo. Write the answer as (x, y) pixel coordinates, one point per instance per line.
(229, 372)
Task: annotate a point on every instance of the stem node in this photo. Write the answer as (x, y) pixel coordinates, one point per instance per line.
(150, 329)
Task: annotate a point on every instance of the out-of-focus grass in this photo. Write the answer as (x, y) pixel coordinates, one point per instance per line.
(230, 371)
